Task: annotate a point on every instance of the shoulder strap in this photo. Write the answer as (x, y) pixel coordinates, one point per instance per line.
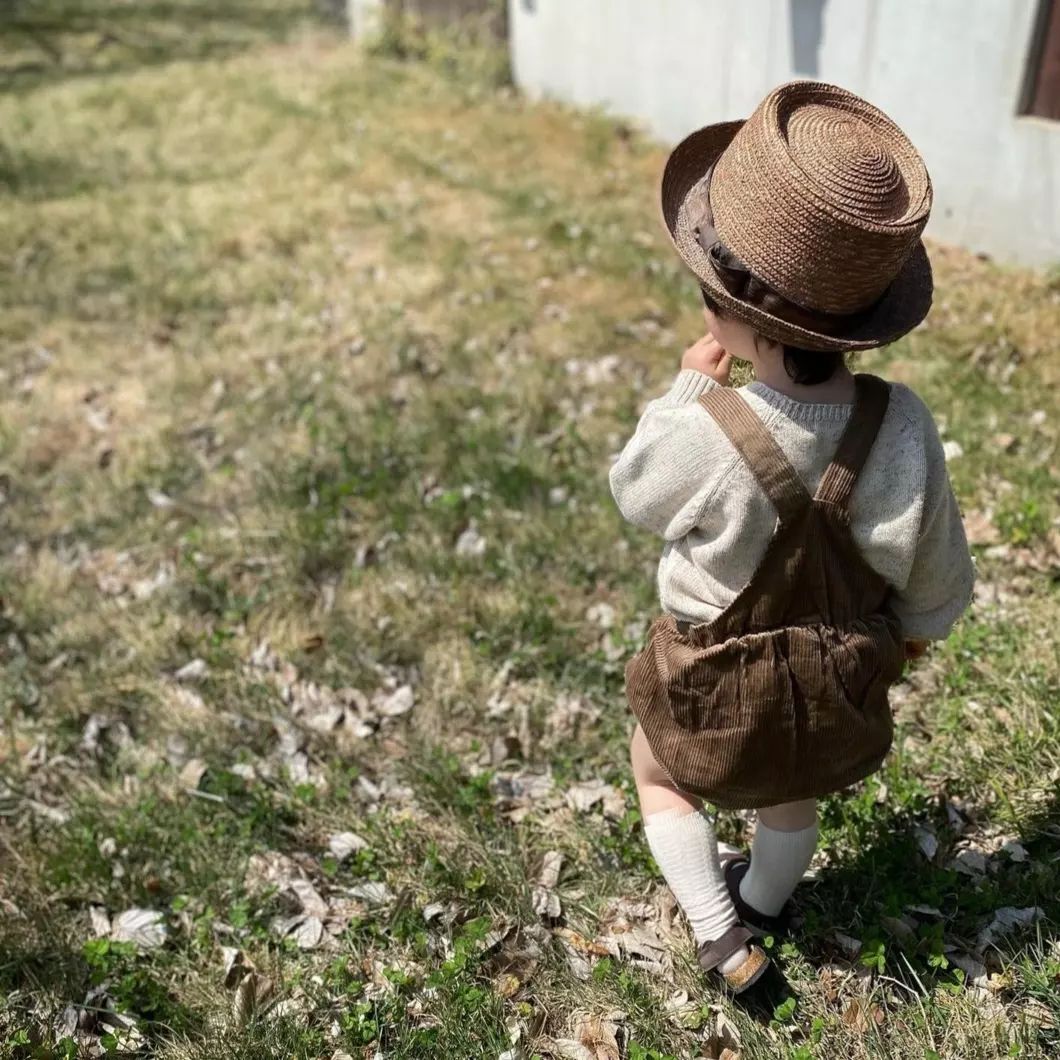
(870, 406)
(759, 450)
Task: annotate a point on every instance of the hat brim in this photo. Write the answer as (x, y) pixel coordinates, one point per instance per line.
(903, 305)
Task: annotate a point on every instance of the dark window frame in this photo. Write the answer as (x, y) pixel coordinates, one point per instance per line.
(1041, 83)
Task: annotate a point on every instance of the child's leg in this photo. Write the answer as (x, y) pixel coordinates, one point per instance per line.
(784, 842)
(684, 845)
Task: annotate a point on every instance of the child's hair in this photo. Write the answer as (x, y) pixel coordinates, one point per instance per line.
(806, 367)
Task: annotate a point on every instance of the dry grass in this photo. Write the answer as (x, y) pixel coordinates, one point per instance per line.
(279, 328)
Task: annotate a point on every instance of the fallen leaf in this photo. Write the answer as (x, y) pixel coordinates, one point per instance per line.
(342, 844)
(308, 897)
(601, 614)
(547, 904)
(271, 869)
(159, 499)
(1015, 850)
(252, 991)
(899, 927)
(470, 543)
(581, 943)
(551, 866)
(234, 965)
(374, 892)
(969, 862)
(145, 928)
(1005, 921)
(309, 933)
(99, 920)
(850, 946)
(860, 1014)
(584, 796)
(926, 841)
(598, 1038)
(191, 775)
(396, 703)
(192, 671)
(1040, 1013)
(569, 1049)
(924, 910)
(724, 1042)
(974, 971)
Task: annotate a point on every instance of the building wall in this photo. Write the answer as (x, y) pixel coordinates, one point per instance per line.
(950, 72)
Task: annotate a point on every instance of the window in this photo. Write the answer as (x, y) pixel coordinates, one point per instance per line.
(1041, 96)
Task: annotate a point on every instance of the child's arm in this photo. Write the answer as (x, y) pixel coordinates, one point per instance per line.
(662, 477)
(942, 575)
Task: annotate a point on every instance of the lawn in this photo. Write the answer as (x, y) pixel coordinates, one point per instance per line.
(314, 603)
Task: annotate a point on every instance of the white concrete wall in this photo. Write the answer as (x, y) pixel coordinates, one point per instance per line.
(950, 72)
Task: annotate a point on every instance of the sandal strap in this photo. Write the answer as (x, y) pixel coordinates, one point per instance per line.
(712, 953)
(734, 869)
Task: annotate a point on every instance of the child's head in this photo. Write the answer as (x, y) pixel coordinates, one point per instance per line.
(806, 367)
(803, 223)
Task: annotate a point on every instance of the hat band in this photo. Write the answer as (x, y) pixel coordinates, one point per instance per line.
(746, 287)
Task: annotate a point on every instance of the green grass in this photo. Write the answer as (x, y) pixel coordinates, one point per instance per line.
(279, 323)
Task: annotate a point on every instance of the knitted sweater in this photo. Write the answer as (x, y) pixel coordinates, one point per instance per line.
(679, 476)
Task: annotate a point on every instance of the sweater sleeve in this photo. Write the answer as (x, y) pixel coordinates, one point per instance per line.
(668, 469)
(942, 575)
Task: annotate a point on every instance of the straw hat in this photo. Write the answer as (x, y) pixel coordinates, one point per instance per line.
(804, 221)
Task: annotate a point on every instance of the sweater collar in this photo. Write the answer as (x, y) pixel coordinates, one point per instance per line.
(802, 411)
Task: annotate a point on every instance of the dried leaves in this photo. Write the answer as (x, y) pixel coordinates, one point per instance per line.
(144, 928)
(312, 919)
(545, 900)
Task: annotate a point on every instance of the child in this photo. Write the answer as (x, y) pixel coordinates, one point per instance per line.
(813, 541)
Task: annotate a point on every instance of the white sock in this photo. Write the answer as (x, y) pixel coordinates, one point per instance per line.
(686, 849)
(778, 861)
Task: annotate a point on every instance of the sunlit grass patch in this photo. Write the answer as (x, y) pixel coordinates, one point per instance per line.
(314, 366)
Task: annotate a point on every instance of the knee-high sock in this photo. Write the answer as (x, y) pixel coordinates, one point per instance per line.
(778, 861)
(686, 849)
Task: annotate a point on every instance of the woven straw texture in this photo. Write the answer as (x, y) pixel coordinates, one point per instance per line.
(823, 198)
(784, 695)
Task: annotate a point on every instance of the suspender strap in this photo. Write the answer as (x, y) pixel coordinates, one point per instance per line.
(870, 406)
(755, 444)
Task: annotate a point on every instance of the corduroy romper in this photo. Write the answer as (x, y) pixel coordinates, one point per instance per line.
(783, 696)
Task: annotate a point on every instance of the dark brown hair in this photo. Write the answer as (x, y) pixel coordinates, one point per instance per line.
(805, 367)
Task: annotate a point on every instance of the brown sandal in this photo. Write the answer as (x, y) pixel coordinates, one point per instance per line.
(711, 954)
(734, 868)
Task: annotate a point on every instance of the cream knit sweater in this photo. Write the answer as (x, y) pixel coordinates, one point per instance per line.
(680, 477)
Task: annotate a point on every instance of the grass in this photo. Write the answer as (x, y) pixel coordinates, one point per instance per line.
(314, 363)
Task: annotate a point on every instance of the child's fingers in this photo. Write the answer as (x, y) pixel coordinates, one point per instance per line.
(710, 348)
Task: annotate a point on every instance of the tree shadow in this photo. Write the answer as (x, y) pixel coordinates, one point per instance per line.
(52, 41)
(886, 890)
(807, 29)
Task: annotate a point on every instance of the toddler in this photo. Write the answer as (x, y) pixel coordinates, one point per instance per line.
(812, 538)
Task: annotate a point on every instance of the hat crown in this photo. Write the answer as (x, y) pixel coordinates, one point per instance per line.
(822, 196)
(839, 154)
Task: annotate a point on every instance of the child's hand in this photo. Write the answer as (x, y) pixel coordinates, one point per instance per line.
(915, 649)
(708, 356)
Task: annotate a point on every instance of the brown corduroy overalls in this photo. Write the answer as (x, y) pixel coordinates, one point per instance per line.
(783, 696)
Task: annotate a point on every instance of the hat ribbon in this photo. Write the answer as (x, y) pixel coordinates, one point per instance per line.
(746, 287)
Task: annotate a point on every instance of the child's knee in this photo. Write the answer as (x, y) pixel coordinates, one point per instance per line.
(790, 816)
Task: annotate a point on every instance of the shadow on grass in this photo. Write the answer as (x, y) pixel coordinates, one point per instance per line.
(57, 40)
(887, 877)
(46, 968)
